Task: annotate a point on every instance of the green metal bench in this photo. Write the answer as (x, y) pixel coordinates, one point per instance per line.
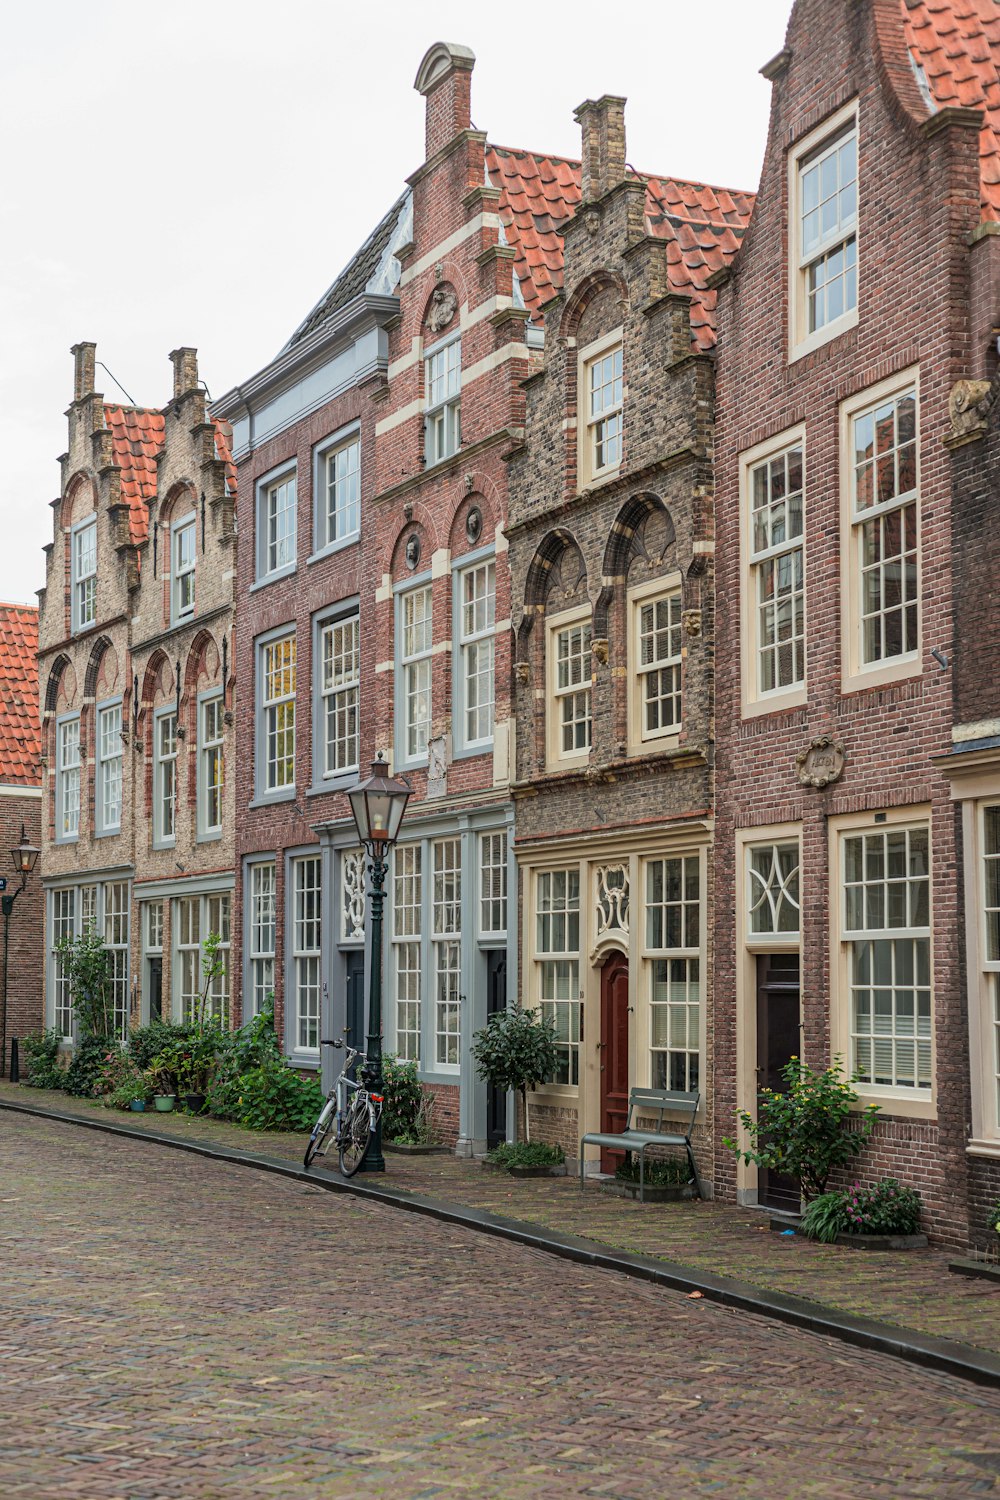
(645, 1104)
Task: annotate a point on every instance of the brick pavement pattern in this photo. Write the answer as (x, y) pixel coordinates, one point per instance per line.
(913, 1290)
(149, 1352)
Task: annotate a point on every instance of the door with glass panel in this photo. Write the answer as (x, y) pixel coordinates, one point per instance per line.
(778, 1042)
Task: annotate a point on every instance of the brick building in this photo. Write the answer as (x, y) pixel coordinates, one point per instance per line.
(20, 808)
(135, 622)
(835, 509)
(611, 557)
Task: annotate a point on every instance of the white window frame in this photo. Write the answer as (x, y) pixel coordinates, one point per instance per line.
(983, 969)
(105, 906)
(772, 889)
(756, 699)
(557, 626)
(339, 699)
(305, 955)
(214, 914)
(211, 754)
(591, 424)
(62, 923)
(684, 960)
(834, 130)
(69, 759)
(550, 954)
(277, 553)
(407, 948)
(162, 839)
(446, 930)
(83, 580)
(182, 571)
(443, 400)
(271, 721)
(337, 521)
(640, 736)
(109, 755)
(492, 867)
(262, 929)
(474, 637)
(857, 673)
(415, 676)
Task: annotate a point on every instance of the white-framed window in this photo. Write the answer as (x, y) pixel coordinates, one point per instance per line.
(884, 567)
(307, 902)
(340, 682)
(183, 549)
(447, 928)
(164, 776)
(776, 614)
(557, 963)
(886, 939)
(104, 909)
(570, 683)
(276, 739)
(492, 884)
(211, 765)
(68, 778)
(601, 401)
(673, 967)
(824, 248)
(276, 510)
(415, 646)
(443, 388)
(773, 889)
(338, 491)
(407, 930)
(989, 1028)
(63, 927)
(109, 768)
(196, 919)
(659, 639)
(116, 940)
(262, 923)
(476, 626)
(83, 573)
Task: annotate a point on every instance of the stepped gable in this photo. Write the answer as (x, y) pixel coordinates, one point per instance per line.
(703, 227)
(137, 438)
(20, 731)
(956, 44)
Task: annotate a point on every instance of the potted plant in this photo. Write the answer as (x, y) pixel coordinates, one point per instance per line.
(885, 1216)
(517, 1050)
(131, 1094)
(160, 1080)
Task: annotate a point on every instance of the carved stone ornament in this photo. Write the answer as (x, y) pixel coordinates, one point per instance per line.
(821, 762)
(691, 620)
(968, 407)
(412, 550)
(592, 219)
(474, 524)
(444, 306)
(599, 646)
(522, 671)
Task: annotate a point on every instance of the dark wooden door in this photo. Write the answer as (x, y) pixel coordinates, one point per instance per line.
(354, 1013)
(614, 1053)
(154, 975)
(778, 1040)
(496, 1000)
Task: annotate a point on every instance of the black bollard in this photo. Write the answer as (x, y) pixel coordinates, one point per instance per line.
(15, 1070)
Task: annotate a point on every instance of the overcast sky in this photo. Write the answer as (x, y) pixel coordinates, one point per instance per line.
(198, 173)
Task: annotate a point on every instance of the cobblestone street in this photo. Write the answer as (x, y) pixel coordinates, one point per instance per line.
(180, 1328)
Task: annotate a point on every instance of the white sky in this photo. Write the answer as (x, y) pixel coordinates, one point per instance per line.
(198, 172)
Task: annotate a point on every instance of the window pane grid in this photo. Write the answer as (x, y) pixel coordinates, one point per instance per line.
(557, 918)
(773, 889)
(184, 565)
(343, 491)
(673, 904)
(675, 1019)
(572, 688)
(85, 575)
(443, 379)
(109, 775)
(885, 522)
(279, 512)
(278, 702)
(604, 380)
(68, 772)
(493, 883)
(776, 497)
(165, 777)
(660, 641)
(407, 930)
(63, 926)
(341, 676)
(212, 763)
(478, 618)
(116, 938)
(306, 938)
(262, 935)
(827, 229)
(417, 632)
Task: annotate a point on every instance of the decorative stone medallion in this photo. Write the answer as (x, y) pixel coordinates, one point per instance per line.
(474, 524)
(412, 550)
(444, 305)
(821, 762)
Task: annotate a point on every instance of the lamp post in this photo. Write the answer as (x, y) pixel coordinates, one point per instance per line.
(24, 857)
(378, 804)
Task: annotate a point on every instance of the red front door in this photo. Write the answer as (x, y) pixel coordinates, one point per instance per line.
(614, 1053)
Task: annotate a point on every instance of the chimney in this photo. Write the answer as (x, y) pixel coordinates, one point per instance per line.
(445, 80)
(185, 363)
(602, 123)
(84, 370)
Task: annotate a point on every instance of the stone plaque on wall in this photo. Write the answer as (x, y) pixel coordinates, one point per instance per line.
(821, 762)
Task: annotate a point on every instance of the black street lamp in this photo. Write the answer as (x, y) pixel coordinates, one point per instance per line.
(24, 857)
(378, 805)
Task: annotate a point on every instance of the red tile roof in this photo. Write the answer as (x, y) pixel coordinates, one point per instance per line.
(137, 436)
(957, 44)
(702, 225)
(20, 733)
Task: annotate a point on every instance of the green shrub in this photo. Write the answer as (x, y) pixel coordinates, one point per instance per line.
(803, 1130)
(660, 1171)
(86, 965)
(41, 1054)
(86, 1072)
(884, 1208)
(241, 1051)
(273, 1097)
(147, 1042)
(404, 1113)
(517, 1050)
(993, 1218)
(131, 1090)
(525, 1154)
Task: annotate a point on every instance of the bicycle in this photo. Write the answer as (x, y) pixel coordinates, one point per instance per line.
(353, 1109)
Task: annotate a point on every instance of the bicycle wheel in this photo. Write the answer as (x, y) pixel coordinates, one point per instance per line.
(354, 1140)
(320, 1131)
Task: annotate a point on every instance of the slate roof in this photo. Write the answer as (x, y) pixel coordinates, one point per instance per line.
(354, 277)
(137, 436)
(703, 227)
(957, 44)
(20, 731)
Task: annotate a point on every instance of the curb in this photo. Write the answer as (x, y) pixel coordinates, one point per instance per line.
(944, 1355)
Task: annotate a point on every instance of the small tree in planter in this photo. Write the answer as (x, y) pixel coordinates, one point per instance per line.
(803, 1131)
(86, 964)
(517, 1050)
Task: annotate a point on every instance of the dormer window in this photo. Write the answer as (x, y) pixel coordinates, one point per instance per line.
(84, 575)
(602, 394)
(183, 543)
(443, 385)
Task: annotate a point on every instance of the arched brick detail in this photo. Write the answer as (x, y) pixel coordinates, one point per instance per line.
(56, 671)
(624, 542)
(584, 293)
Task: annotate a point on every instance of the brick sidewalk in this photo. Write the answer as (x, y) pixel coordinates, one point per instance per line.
(912, 1290)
